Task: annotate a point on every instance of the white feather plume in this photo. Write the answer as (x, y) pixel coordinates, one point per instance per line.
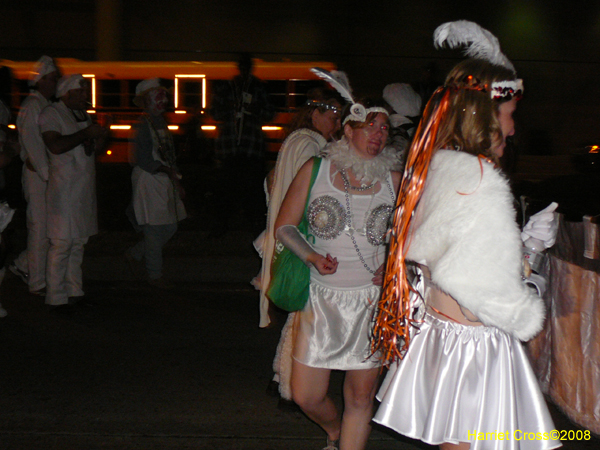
(481, 44)
(338, 80)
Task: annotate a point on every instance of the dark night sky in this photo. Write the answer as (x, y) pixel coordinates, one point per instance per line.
(555, 45)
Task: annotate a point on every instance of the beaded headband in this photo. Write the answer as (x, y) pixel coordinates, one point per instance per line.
(499, 90)
(507, 89)
(359, 113)
(318, 104)
(339, 81)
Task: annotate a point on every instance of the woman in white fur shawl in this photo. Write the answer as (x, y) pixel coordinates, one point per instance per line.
(464, 380)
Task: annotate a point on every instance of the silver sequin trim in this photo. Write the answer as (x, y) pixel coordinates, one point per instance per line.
(326, 217)
(378, 223)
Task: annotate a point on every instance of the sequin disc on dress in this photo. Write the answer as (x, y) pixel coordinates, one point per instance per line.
(326, 217)
(378, 224)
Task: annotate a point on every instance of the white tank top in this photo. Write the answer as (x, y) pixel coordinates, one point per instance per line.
(329, 229)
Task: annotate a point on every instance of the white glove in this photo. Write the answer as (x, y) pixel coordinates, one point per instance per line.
(542, 226)
(290, 236)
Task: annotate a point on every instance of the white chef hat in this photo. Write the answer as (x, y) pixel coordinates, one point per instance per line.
(68, 82)
(144, 87)
(43, 66)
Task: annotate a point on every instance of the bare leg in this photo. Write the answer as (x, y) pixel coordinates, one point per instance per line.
(461, 446)
(359, 392)
(309, 391)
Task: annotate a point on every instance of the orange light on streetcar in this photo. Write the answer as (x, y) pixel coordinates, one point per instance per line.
(176, 88)
(12, 126)
(120, 127)
(180, 112)
(271, 128)
(109, 152)
(93, 82)
(173, 127)
(208, 127)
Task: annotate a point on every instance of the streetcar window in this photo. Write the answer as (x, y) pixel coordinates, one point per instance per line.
(277, 90)
(301, 87)
(190, 93)
(109, 94)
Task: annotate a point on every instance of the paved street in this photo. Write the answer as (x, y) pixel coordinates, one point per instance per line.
(141, 369)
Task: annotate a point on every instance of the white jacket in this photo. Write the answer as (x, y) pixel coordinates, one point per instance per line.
(71, 192)
(465, 232)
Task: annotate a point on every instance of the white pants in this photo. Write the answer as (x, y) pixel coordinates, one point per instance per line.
(33, 259)
(64, 273)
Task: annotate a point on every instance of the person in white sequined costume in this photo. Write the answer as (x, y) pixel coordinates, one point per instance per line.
(465, 381)
(349, 208)
(315, 124)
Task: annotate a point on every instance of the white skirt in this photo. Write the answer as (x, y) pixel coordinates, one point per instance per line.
(333, 331)
(460, 383)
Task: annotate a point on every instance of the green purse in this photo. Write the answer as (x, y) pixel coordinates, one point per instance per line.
(290, 277)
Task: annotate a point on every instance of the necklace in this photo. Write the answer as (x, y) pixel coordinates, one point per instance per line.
(349, 217)
(362, 188)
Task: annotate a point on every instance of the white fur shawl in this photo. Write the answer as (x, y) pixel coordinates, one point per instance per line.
(467, 235)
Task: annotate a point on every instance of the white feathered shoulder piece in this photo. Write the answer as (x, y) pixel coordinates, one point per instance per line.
(465, 232)
(480, 43)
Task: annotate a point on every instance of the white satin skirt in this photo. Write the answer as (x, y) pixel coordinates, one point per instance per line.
(460, 383)
(333, 331)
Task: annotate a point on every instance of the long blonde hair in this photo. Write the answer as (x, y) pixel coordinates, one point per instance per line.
(471, 121)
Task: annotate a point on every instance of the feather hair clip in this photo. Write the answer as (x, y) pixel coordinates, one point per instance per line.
(339, 81)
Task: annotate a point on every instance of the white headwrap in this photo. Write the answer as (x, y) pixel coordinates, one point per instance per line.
(405, 101)
(43, 66)
(144, 87)
(68, 82)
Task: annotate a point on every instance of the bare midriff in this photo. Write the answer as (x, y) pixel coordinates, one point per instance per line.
(443, 306)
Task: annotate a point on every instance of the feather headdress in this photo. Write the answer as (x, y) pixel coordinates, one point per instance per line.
(481, 44)
(339, 81)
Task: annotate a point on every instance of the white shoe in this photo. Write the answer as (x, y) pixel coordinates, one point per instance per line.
(3, 312)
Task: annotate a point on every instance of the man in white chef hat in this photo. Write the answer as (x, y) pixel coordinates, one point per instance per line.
(30, 265)
(72, 141)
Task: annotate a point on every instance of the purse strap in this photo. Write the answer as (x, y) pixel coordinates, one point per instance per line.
(303, 225)
(313, 177)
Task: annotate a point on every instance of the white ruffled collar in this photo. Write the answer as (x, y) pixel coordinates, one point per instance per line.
(365, 170)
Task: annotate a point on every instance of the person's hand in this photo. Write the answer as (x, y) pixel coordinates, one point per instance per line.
(542, 226)
(325, 265)
(378, 275)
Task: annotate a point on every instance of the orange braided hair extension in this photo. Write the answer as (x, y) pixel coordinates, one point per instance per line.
(391, 331)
